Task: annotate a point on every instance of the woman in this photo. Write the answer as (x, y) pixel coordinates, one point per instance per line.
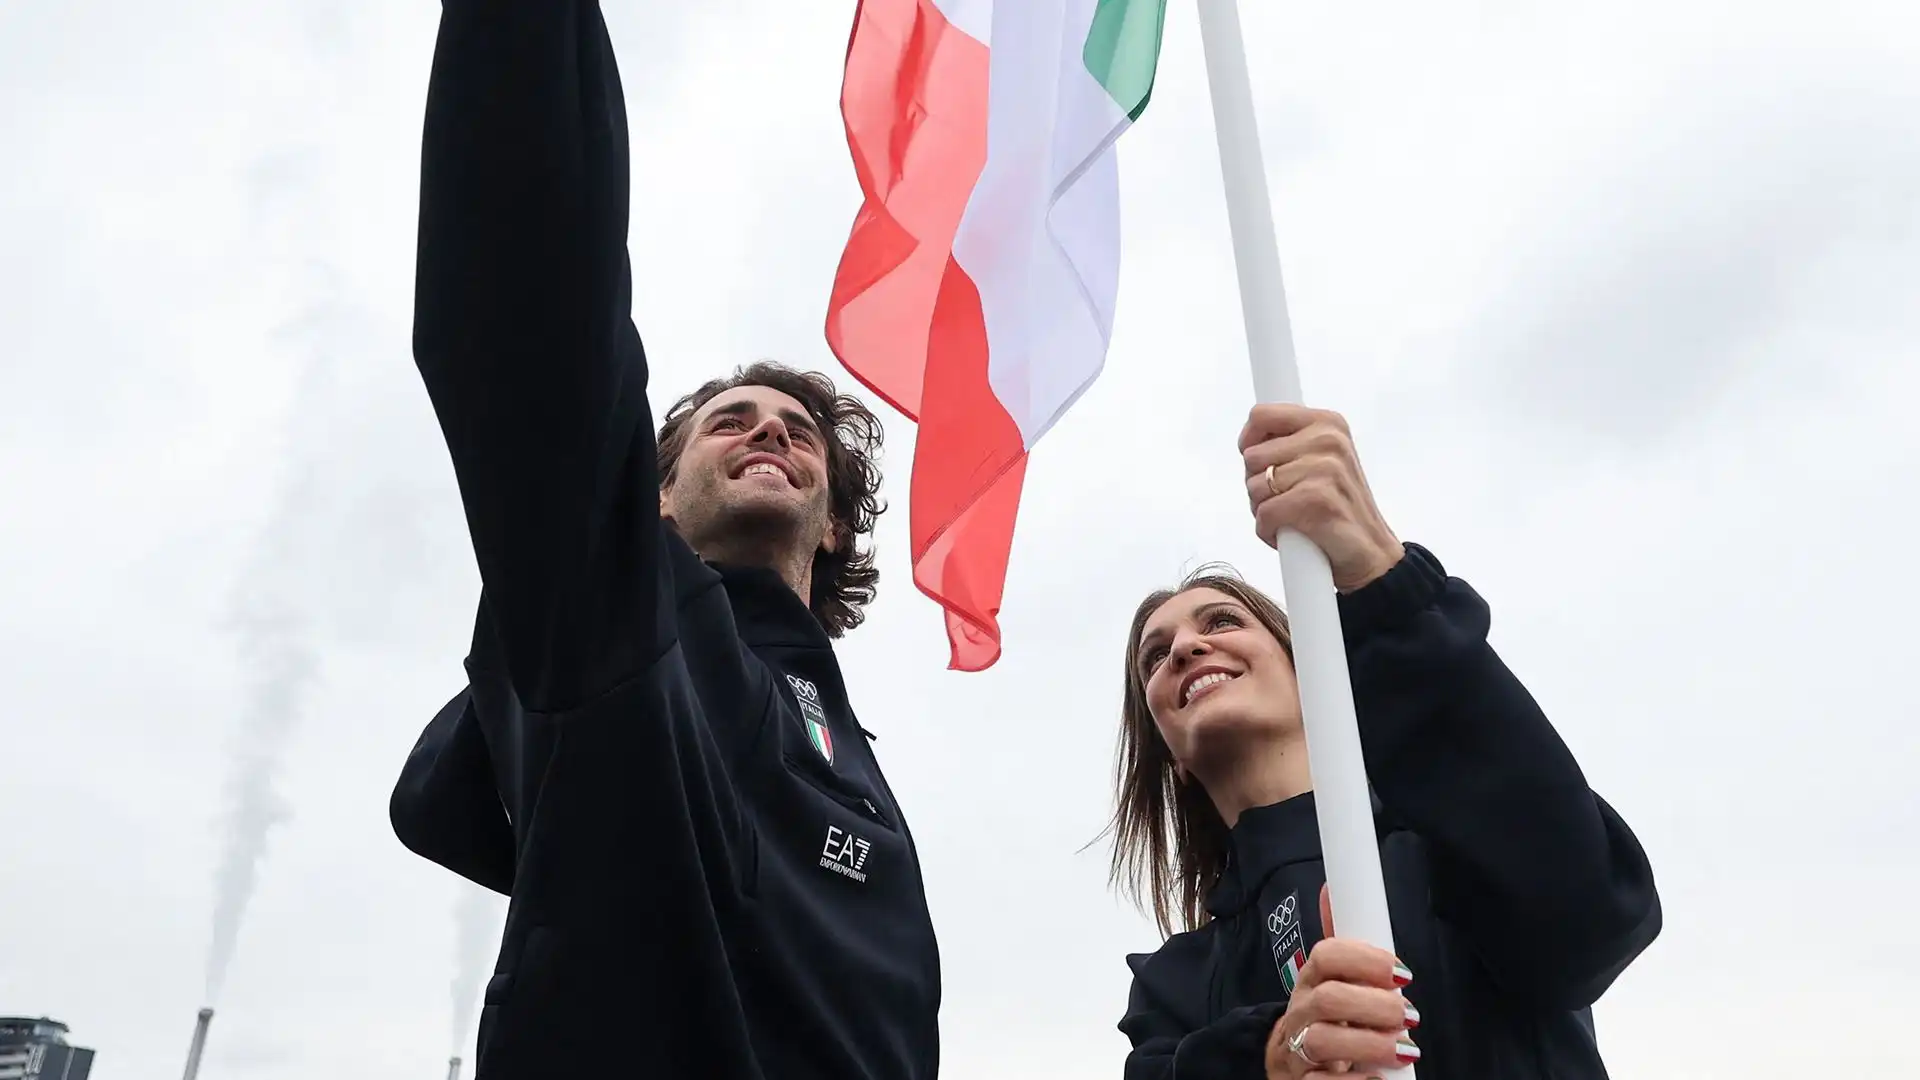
(1516, 894)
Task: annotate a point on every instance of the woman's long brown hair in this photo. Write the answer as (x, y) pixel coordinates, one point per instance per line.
(1169, 843)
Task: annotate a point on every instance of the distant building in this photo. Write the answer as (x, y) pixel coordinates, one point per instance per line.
(37, 1049)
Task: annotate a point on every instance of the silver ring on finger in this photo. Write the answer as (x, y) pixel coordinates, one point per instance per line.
(1297, 1046)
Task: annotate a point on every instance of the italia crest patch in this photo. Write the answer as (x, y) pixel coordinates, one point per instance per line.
(813, 716)
(1289, 949)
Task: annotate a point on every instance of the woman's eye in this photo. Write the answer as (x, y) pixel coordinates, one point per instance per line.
(1221, 619)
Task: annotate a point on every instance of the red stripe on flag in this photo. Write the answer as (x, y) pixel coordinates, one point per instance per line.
(968, 465)
(905, 320)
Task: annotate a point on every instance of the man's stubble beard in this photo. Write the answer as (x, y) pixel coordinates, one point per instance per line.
(723, 527)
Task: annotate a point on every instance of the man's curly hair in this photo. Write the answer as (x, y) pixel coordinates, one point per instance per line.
(843, 580)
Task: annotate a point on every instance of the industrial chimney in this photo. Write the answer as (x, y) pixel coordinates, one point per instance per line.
(453, 1068)
(199, 1043)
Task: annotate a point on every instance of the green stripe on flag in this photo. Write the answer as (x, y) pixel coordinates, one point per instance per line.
(1123, 48)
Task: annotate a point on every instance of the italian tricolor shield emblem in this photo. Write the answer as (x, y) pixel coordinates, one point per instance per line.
(813, 716)
(822, 738)
(1290, 967)
(1289, 945)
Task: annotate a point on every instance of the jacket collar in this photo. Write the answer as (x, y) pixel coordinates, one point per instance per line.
(766, 612)
(1265, 839)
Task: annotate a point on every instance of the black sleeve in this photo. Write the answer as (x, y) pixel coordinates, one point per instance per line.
(524, 336)
(1233, 1047)
(445, 807)
(1540, 876)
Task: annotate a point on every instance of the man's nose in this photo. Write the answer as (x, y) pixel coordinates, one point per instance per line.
(772, 430)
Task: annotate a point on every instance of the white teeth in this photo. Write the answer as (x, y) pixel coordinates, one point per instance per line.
(1210, 679)
(760, 467)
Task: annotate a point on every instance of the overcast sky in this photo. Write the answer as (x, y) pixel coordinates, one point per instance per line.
(1619, 302)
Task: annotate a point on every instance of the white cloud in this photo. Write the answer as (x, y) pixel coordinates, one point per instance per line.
(1617, 301)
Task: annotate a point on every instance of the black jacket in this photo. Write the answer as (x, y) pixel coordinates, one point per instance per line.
(1516, 894)
(656, 757)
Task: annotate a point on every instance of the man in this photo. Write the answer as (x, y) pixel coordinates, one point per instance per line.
(655, 755)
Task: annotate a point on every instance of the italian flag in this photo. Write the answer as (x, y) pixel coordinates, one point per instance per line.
(976, 292)
(822, 738)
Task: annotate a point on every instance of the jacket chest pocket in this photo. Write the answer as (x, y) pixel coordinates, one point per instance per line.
(838, 790)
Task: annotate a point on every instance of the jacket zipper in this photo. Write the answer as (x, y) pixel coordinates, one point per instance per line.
(1227, 937)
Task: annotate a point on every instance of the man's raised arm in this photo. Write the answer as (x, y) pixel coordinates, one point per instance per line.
(523, 333)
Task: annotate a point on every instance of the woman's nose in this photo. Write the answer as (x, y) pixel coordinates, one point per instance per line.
(1187, 649)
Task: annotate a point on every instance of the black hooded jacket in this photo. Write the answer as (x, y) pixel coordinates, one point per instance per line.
(1516, 894)
(656, 757)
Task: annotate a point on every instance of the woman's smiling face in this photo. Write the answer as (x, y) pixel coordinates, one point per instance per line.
(1213, 673)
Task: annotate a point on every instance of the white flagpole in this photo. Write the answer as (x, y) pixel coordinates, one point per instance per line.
(1341, 801)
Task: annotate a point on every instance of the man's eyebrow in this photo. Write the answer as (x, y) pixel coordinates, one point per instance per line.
(799, 419)
(743, 407)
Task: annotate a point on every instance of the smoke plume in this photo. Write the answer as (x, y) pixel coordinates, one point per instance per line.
(278, 661)
(279, 603)
(272, 614)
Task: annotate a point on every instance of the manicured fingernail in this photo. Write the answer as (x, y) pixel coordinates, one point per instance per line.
(1413, 1016)
(1406, 1052)
(1401, 976)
